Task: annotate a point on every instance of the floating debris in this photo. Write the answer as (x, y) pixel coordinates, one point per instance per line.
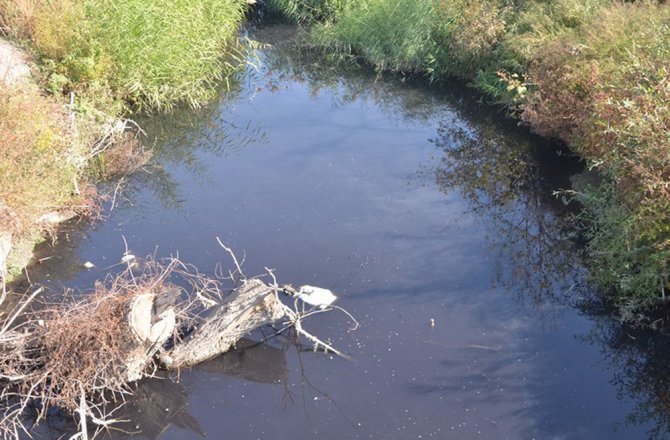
(129, 259)
(316, 296)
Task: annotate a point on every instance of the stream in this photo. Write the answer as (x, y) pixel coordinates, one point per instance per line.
(434, 220)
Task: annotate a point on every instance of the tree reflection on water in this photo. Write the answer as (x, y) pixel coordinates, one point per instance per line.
(511, 184)
(508, 181)
(638, 360)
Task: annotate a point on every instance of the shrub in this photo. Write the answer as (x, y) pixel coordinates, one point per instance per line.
(307, 10)
(465, 35)
(390, 35)
(37, 170)
(606, 89)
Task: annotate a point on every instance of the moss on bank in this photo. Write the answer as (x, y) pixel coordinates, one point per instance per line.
(591, 72)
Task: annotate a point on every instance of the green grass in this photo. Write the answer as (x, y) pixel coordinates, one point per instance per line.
(165, 52)
(131, 54)
(307, 10)
(371, 30)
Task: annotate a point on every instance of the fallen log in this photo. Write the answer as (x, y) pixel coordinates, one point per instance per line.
(252, 305)
(152, 320)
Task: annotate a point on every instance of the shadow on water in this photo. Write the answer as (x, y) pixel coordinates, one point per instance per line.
(512, 182)
(637, 360)
(508, 180)
(159, 403)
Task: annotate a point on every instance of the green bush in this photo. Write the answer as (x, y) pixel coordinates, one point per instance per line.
(391, 35)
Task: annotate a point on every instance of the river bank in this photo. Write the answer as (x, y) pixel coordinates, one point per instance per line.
(44, 149)
(63, 128)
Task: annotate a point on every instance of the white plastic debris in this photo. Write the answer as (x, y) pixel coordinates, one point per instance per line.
(128, 258)
(316, 296)
(89, 265)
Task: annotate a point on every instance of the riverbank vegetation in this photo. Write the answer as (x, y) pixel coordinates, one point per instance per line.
(95, 63)
(593, 73)
(129, 55)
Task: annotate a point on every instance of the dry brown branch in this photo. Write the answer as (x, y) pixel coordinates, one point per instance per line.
(83, 352)
(295, 318)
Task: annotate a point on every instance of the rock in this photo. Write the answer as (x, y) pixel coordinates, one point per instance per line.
(14, 66)
(5, 248)
(54, 218)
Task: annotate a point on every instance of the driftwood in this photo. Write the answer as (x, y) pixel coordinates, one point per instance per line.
(75, 353)
(250, 306)
(152, 322)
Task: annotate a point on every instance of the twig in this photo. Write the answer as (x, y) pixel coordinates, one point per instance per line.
(295, 318)
(116, 190)
(15, 314)
(232, 255)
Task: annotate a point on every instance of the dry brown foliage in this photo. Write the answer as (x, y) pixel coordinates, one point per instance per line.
(32, 146)
(562, 99)
(124, 157)
(73, 353)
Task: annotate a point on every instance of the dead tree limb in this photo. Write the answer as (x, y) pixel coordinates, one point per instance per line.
(250, 306)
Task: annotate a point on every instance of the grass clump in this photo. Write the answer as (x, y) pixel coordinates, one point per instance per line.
(373, 31)
(307, 10)
(146, 55)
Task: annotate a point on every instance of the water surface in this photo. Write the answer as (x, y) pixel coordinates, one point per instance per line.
(417, 205)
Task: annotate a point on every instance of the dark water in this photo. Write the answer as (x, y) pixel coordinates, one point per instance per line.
(413, 204)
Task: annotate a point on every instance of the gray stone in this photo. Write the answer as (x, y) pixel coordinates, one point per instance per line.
(14, 66)
(5, 248)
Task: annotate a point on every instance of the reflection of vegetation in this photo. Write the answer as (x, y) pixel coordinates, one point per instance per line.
(500, 171)
(182, 137)
(510, 184)
(346, 82)
(639, 359)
